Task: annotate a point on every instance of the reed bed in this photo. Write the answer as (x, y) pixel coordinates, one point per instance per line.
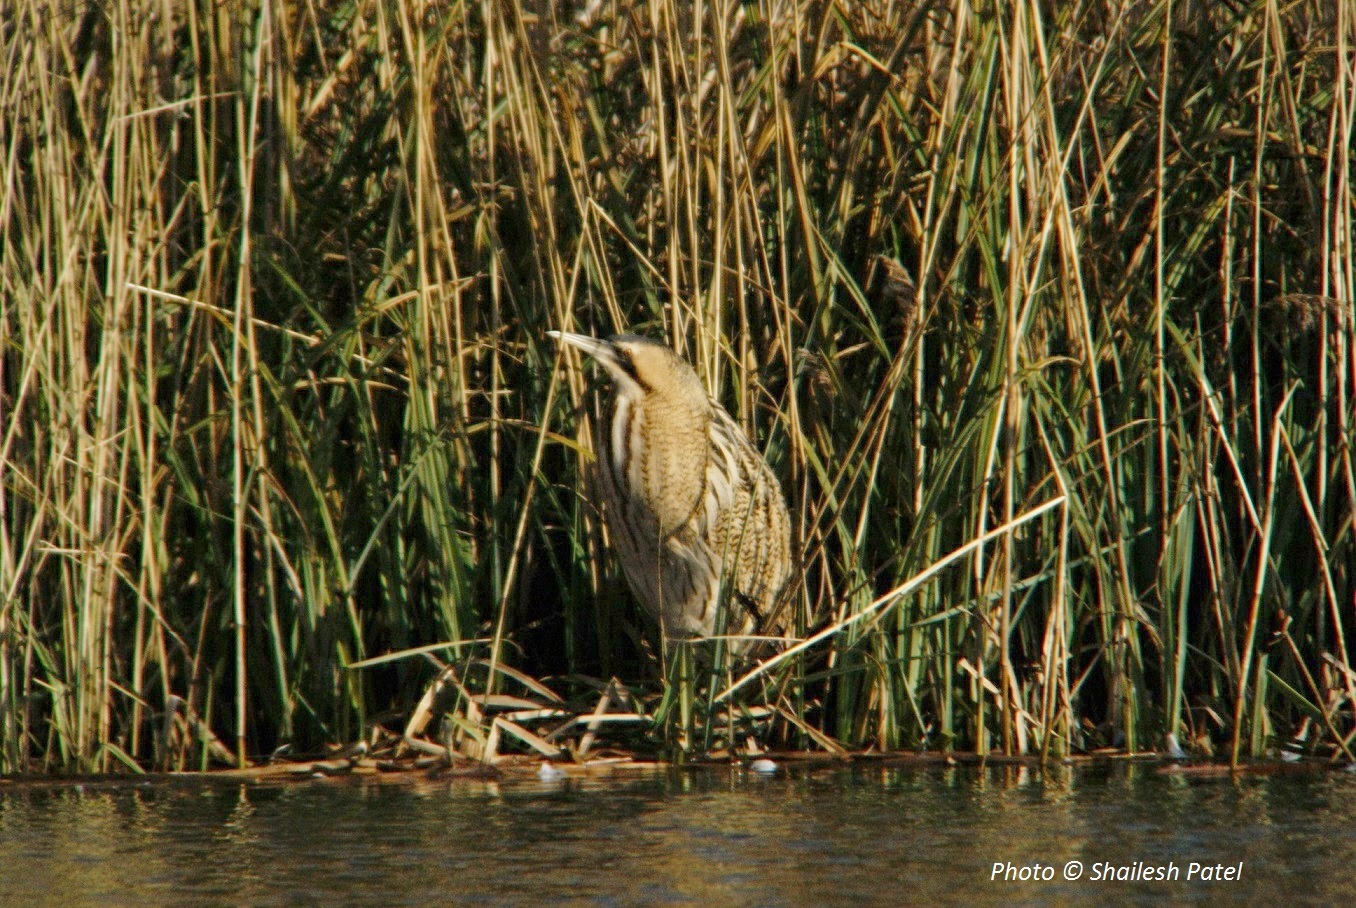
(1043, 312)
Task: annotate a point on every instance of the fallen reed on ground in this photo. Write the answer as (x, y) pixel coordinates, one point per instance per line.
(1042, 312)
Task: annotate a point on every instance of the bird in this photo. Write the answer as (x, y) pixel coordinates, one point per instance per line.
(696, 516)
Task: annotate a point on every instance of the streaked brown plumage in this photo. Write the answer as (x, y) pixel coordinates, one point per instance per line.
(689, 502)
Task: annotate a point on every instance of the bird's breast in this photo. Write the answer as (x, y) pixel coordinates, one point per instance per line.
(657, 456)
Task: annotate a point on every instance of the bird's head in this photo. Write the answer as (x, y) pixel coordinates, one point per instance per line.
(639, 366)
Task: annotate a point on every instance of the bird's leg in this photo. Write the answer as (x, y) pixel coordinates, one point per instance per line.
(686, 700)
(675, 715)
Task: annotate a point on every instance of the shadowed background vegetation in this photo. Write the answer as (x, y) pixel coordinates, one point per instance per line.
(276, 396)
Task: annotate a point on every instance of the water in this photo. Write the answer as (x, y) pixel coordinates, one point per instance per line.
(824, 836)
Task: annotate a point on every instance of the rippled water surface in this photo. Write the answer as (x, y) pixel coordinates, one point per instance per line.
(705, 837)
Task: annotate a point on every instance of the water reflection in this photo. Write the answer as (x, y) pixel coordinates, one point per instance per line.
(871, 835)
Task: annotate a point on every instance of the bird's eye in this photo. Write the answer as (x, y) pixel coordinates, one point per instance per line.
(626, 362)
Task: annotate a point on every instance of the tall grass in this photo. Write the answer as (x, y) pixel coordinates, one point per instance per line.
(277, 398)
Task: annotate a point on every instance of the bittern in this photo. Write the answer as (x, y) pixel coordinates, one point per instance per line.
(695, 514)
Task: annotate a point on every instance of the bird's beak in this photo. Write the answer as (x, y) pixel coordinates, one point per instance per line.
(604, 352)
(590, 345)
